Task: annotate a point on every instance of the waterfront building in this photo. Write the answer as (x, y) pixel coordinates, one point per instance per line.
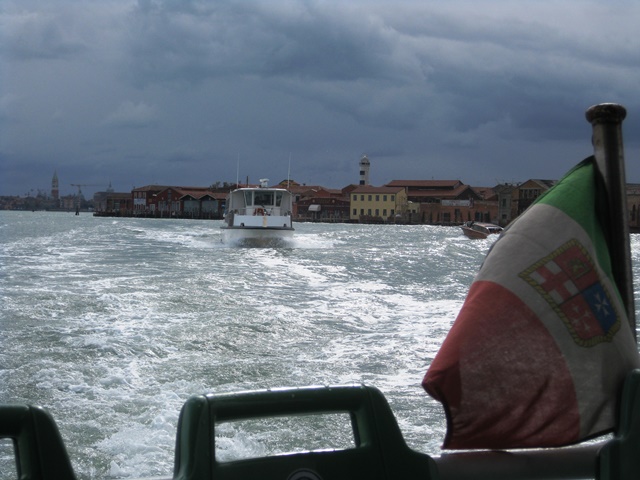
(164, 201)
(504, 195)
(178, 201)
(116, 204)
(527, 192)
(143, 198)
(300, 192)
(445, 202)
(100, 198)
(323, 205)
(378, 204)
(200, 203)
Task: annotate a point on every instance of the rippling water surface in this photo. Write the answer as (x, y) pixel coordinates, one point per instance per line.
(111, 324)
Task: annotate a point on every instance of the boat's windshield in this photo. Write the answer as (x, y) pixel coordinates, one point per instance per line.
(262, 198)
(279, 198)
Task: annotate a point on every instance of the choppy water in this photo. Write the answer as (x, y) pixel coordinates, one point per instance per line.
(111, 324)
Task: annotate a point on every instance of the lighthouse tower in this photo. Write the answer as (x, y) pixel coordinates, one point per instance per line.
(364, 170)
(55, 192)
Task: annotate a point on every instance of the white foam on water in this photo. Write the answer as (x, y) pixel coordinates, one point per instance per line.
(112, 324)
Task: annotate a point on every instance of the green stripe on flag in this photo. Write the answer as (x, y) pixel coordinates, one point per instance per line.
(576, 195)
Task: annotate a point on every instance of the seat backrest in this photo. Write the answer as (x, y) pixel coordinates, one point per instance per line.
(39, 449)
(380, 451)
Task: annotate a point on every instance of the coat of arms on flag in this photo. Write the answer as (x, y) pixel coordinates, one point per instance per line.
(568, 281)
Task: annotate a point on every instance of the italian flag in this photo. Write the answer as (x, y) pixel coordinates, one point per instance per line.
(541, 346)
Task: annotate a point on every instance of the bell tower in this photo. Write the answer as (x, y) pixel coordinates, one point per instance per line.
(55, 192)
(364, 170)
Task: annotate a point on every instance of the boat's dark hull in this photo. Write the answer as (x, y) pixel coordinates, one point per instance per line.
(471, 233)
(257, 236)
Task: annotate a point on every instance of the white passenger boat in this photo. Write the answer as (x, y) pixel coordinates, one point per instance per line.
(258, 216)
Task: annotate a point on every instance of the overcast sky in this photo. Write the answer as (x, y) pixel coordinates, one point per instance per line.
(192, 92)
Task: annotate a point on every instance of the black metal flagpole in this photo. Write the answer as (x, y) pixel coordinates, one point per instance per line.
(606, 120)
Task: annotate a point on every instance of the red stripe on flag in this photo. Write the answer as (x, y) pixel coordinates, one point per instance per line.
(501, 377)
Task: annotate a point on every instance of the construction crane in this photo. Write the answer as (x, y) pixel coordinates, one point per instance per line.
(80, 185)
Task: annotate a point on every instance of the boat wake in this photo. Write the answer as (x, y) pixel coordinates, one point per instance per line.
(262, 243)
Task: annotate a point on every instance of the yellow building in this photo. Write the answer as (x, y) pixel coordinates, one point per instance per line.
(377, 203)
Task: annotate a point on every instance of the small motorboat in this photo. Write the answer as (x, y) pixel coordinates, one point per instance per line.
(480, 229)
(258, 216)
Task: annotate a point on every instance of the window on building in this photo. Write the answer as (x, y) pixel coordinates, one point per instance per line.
(377, 212)
(362, 198)
(362, 211)
(384, 212)
(377, 198)
(369, 212)
(384, 198)
(393, 212)
(369, 197)
(355, 198)
(393, 198)
(355, 211)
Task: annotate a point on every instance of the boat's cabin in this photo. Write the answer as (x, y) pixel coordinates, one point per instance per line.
(494, 229)
(488, 228)
(260, 201)
(263, 198)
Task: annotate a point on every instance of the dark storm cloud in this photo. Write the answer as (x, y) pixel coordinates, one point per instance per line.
(180, 91)
(193, 41)
(352, 63)
(129, 114)
(32, 36)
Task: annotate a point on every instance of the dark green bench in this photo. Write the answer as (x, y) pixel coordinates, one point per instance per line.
(380, 452)
(39, 449)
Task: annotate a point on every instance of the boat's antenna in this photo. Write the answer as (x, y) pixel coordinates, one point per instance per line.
(289, 173)
(606, 119)
(238, 172)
